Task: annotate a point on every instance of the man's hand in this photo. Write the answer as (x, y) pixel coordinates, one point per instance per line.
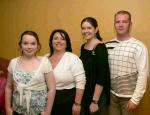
(131, 106)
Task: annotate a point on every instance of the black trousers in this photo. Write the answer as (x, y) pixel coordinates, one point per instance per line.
(63, 103)
(103, 110)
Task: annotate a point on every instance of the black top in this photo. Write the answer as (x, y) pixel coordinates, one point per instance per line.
(96, 67)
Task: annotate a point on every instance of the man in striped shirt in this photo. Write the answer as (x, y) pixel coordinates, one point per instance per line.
(128, 60)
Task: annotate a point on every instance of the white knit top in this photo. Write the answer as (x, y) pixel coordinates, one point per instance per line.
(69, 72)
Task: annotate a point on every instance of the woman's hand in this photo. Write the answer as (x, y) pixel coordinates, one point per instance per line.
(9, 111)
(45, 113)
(93, 107)
(76, 109)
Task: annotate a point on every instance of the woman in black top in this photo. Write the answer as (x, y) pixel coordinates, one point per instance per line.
(95, 60)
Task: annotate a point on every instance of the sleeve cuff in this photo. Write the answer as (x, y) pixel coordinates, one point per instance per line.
(135, 102)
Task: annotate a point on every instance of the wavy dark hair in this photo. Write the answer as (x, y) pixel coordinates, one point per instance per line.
(32, 33)
(65, 35)
(94, 23)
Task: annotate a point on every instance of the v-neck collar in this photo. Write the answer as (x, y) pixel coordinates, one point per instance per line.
(60, 61)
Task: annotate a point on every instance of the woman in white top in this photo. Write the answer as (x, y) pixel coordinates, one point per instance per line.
(69, 74)
(30, 83)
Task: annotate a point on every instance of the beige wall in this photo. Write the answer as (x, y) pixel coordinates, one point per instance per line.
(43, 16)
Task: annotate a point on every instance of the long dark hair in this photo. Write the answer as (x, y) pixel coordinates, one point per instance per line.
(94, 23)
(65, 35)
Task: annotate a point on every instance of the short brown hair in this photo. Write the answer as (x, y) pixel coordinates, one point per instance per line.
(123, 12)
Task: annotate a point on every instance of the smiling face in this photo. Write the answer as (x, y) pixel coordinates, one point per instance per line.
(29, 45)
(59, 42)
(88, 31)
(122, 24)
